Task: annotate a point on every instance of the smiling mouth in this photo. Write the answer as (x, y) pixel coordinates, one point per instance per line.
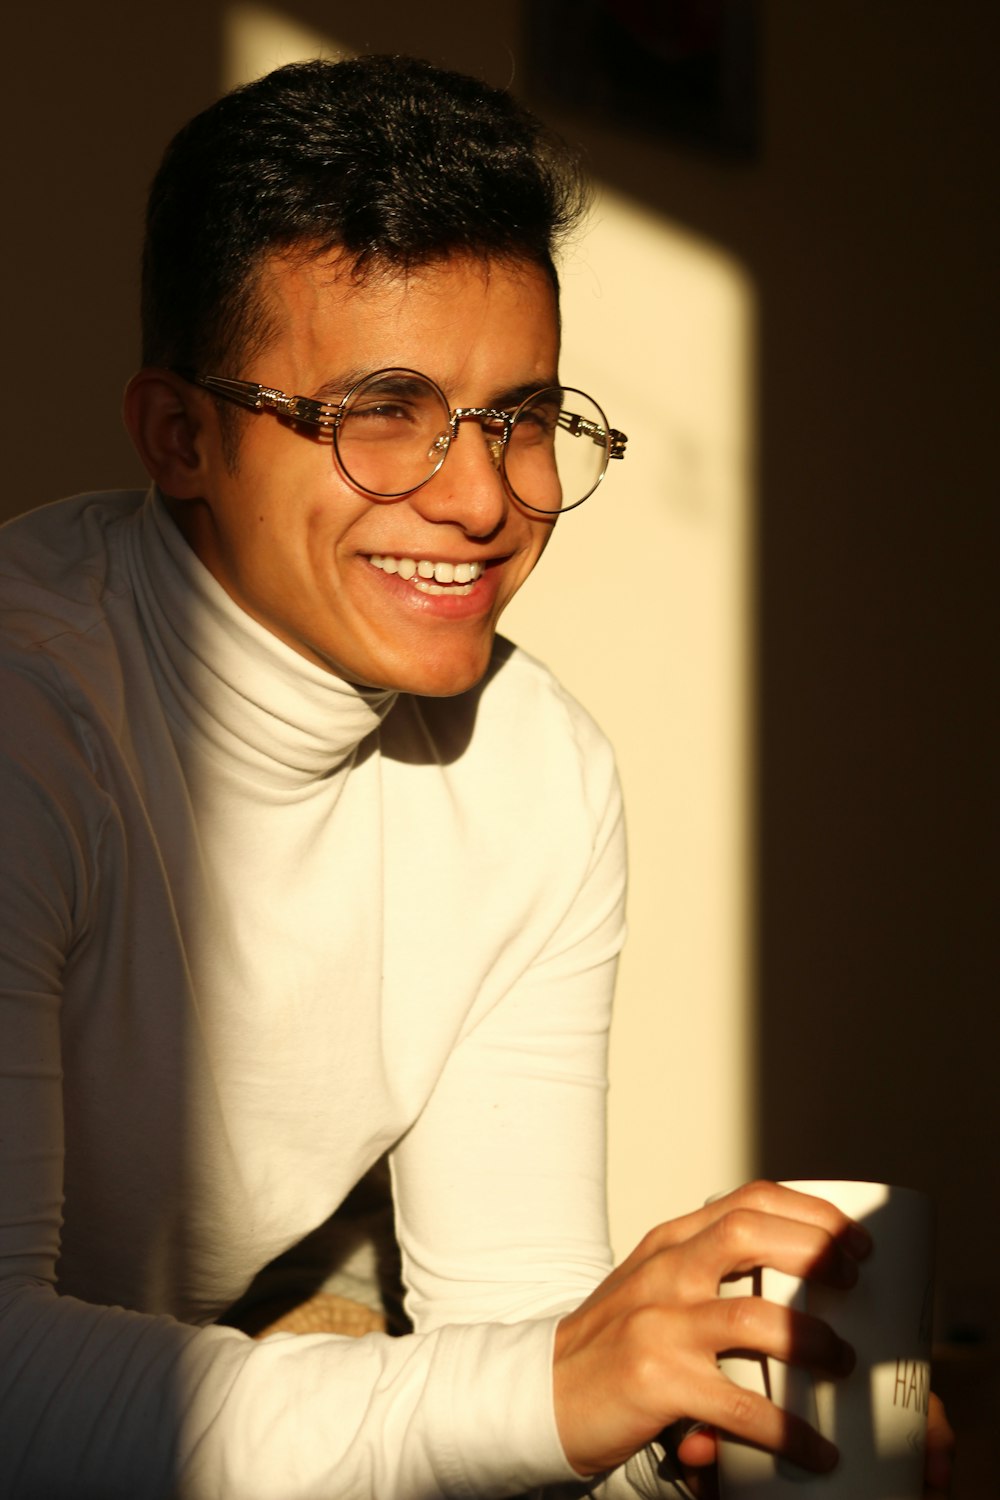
(431, 577)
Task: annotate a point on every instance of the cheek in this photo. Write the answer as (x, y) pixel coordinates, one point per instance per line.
(544, 531)
(328, 534)
(535, 544)
(539, 538)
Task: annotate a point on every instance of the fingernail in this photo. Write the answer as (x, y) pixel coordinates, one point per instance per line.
(858, 1241)
(824, 1454)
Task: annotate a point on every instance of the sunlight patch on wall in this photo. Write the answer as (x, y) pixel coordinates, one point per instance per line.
(257, 38)
(641, 606)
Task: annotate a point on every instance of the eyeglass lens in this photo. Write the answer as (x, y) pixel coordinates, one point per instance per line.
(394, 433)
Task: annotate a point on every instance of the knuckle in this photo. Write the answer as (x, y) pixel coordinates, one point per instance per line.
(690, 1285)
(641, 1346)
(670, 1275)
(740, 1316)
(656, 1240)
(756, 1194)
(643, 1329)
(645, 1284)
(736, 1230)
(740, 1407)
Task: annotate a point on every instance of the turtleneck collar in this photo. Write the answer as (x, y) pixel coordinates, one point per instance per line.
(224, 676)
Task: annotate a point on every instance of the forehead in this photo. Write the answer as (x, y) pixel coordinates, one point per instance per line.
(461, 319)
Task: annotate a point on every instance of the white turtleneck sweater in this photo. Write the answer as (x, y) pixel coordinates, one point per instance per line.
(258, 927)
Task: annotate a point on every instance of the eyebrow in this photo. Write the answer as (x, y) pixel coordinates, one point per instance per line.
(334, 391)
(513, 396)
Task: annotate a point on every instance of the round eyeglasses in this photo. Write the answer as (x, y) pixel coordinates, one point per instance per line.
(394, 429)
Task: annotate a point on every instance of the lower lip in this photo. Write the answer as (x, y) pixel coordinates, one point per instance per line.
(471, 605)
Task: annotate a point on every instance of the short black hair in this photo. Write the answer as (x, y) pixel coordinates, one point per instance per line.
(394, 161)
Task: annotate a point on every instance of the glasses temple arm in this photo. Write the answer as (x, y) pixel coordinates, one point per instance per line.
(263, 398)
(579, 426)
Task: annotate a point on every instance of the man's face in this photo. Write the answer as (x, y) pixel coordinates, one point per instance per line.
(291, 540)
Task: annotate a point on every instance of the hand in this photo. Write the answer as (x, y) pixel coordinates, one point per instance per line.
(641, 1352)
(696, 1452)
(940, 1451)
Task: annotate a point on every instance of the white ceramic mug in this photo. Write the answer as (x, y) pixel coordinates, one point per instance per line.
(877, 1416)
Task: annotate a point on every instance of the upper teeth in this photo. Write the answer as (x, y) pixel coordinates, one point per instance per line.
(440, 572)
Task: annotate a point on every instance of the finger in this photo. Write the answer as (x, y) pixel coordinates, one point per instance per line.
(698, 1447)
(940, 1450)
(741, 1325)
(689, 1455)
(744, 1239)
(767, 1198)
(751, 1417)
(771, 1198)
(799, 1208)
(747, 1238)
(764, 1225)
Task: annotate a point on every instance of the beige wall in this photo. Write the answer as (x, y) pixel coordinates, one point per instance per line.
(840, 581)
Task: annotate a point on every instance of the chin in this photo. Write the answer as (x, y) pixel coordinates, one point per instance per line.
(430, 678)
(437, 685)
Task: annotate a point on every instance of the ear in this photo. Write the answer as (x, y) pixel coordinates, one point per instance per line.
(167, 419)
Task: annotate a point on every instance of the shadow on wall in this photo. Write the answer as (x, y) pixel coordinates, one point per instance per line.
(90, 106)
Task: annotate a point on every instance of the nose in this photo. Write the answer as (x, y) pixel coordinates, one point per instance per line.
(468, 490)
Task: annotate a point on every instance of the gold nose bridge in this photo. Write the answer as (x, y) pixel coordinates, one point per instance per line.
(483, 415)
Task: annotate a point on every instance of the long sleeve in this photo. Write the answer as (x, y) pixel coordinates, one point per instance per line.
(97, 1400)
(252, 937)
(500, 1185)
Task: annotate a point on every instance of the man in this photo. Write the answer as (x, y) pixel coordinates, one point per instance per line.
(304, 865)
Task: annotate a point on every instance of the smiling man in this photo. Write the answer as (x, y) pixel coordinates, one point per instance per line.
(289, 528)
(303, 865)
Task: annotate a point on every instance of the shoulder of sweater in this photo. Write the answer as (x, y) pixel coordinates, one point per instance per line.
(57, 563)
(58, 570)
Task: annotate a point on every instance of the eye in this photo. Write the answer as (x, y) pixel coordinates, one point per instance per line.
(393, 406)
(536, 423)
(388, 412)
